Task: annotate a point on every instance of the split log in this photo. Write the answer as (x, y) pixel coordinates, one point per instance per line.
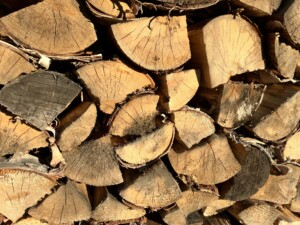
(22, 187)
(18, 63)
(280, 189)
(177, 89)
(278, 114)
(52, 28)
(234, 103)
(210, 162)
(17, 137)
(291, 148)
(157, 43)
(254, 213)
(216, 206)
(282, 57)
(136, 117)
(192, 126)
(114, 211)
(111, 81)
(255, 170)
(257, 7)
(64, 206)
(287, 217)
(76, 126)
(153, 188)
(295, 204)
(30, 221)
(173, 216)
(148, 148)
(39, 97)
(219, 61)
(98, 158)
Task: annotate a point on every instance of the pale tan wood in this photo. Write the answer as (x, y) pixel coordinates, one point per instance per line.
(292, 147)
(136, 117)
(88, 162)
(177, 89)
(258, 7)
(54, 28)
(76, 126)
(16, 136)
(173, 216)
(192, 126)
(224, 47)
(155, 43)
(210, 162)
(153, 188)
(111, 81)
(18, 63)
(216, 207)
(280, 189)
(148, 148)
(112, 210)
(30, 221)
(287, 216)
(295, 204)
(64, 206)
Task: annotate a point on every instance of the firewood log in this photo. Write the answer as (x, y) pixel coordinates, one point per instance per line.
(295, 204)
(173, 216)
(19, 63)
(64, 206)
(219, 61)
(158, 43)
(258, 7)
(39, 97)
(111, 81)
(216, 206)
(291, 148)
(30, 221)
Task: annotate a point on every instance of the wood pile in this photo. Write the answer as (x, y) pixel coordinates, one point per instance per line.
(150, 112)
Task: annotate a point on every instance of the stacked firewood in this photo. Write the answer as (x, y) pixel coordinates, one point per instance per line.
(150, 112)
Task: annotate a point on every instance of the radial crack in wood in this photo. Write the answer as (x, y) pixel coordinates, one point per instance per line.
(88, 162)
(136, 117)
(258, 7)
(148, 148)
(16, 136)
(210, 162)
(112, 81)
(112, 210)
(192, 126)
(76, 126)
(153, 188)
(177, 89)
(39, 97)
(64, 206)
(224, 47)
(51, 27)
(18, 63)
(156, 43)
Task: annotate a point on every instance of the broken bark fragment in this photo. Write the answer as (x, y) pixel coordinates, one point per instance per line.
(112, 81)
(210, 162)
(52, 28)
(257, 7)
(145, 189)
(156, 43)
(219, 61)
(147, 148)
(39, 97)
(291, 148)
(136, 117)
(98, 158)
(76, 126)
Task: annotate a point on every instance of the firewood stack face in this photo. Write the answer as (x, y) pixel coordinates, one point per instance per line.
(150, 112)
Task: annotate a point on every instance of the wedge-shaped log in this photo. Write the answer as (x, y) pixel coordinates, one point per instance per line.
(291, 148)
(257, 7)
(192, 126)
(114, 211)
(152, 188)
(217, 206)
(64, 206)
(76, 126)
(63, 34)
(16, 136)
(210, 162)
(224, 47)
(18, 63)
(30, 221)
(177, 89)
(173, 216)
(39, 97)
(111, 81)
(21, 188)
(147, 148)
(88, 162)
(157, 43)
(136, 117)
(255, 170)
